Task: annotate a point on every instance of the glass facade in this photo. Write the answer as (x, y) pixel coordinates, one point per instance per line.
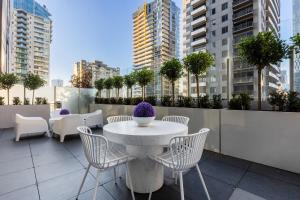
(32, 7)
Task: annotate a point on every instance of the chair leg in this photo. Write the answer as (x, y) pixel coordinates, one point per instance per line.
(130, 182)
(181, 186)
(97, 184)
(115, 174)
(62, 138)
(83, 180)
(203, 183)
(150, 195)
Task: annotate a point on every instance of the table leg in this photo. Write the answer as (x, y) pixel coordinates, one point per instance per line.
(146, 175)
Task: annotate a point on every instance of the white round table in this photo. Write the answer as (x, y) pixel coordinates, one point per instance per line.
(141, 142)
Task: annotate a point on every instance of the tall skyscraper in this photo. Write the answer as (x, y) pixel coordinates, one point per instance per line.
(155, 40)
(5, 35)
(296, 30)
(217, 26)
(32, 32)
(98, 69)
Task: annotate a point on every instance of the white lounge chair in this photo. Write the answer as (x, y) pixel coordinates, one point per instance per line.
(67, 125)
(30, 126)
(93, 119)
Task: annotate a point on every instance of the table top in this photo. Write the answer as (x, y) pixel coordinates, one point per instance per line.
(158, 133)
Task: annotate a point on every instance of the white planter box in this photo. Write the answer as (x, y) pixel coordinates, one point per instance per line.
(270, 138)
(199, 118)
(8, 113)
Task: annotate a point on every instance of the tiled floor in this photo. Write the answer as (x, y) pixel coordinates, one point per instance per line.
(42, 168)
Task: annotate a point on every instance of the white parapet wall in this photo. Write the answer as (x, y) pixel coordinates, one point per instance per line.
(199, 118)
(8, 113)
(270, 138)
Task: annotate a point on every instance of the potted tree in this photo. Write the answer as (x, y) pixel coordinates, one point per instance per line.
(172, 70)
(118, 84)
(7, 81)
(108, 85)
(33, 82)
(129, 81)
(198, 64)
(262, 50)
(99, 85)
(143, 78)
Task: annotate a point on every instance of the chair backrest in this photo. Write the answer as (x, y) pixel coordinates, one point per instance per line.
(95, 147)
(187, 150)
(70, 122)
(119, 118)
(178, 119)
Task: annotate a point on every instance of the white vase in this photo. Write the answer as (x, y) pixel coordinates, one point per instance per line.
(143, 121)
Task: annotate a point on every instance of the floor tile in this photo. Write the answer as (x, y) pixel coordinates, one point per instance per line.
(43, 144)
(222, 171)
(18, 180)
(48, 157)
(53, 170)
(102, 194)
(28, 193)
(65, 187)
(275, 173)
(269, 188)
(16, 165)
(240, 194)
(11, 150)
(194, 189)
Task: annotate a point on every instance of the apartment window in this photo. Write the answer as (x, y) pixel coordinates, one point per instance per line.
(224, 77)
(213, 1)
(224, 89)
(212, 90)
(213, 11)
(224, 53)
(213, 22)
(224, 18)
(213, 33)
(224, 41)
(223, 65)
(225, 30)
(224, 6)
(214, 45)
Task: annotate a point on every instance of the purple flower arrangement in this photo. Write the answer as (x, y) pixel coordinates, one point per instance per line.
(64, 112)
(144, 109)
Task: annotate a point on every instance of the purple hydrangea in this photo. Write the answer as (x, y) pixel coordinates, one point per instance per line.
(144, 109)
(64, 112)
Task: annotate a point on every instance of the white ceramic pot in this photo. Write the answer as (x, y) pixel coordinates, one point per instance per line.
(143, 121)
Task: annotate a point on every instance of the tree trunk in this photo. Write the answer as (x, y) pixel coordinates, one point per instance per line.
(32, 97)
(198, 95)
(24, 95)
(118, 93)
(259, 90)
(100, 93)
(173, 93)
(131, 92)
(143, 93)
(7, 96)
(188, 84)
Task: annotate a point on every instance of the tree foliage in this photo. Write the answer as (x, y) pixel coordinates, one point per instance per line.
(262, 50)
(108, 85)
(33, 82)
(143, 78)
(99, 85)
(7, 81)
(118, 82)
(82, 80)
(198, 64)
(172, 70)
(130, 81)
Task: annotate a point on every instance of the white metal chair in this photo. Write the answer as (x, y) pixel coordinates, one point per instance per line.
(100, 156)
(178, 119)
(119, 118)
(184, 153)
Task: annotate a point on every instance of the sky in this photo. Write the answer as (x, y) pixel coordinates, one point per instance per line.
(102, 30)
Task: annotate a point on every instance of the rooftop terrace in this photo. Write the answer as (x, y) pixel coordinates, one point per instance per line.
(42, 168)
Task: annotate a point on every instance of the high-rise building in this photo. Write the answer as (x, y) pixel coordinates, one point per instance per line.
(32, 32)
(5, 35)
(155, 40)
(296, 30)
(217, 26)
(98, 69)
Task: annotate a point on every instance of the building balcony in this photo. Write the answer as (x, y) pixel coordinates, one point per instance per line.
(243, 27)
(197, 2)
(199, 42)
(241, 3)
(199, 31)
(199, 11)
(246, 13)
(243, 80)
(199, 21)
